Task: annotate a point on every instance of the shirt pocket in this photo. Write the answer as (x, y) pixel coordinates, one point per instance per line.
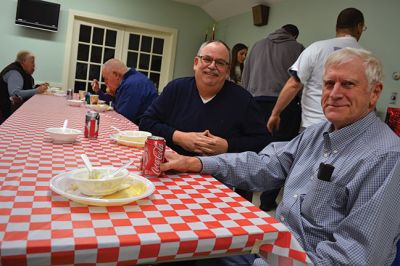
(324, 204)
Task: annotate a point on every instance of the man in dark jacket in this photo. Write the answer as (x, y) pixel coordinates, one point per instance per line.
(264, 75)
(17, 84)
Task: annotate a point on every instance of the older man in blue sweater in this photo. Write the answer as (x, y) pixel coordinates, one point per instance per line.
(133, 91)
(207, 114)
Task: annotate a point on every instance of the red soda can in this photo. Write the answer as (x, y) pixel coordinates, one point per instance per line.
(153, 156)
(92, 121)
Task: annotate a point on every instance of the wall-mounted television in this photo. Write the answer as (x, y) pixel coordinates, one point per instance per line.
(38, 14)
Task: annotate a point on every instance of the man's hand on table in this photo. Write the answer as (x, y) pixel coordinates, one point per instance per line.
(181, 163)
(41, 88)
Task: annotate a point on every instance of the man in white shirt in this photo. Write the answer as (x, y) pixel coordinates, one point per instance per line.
(306, 72)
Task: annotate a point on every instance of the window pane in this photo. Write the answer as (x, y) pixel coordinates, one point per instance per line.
(84, 33)
(155, 78)
(89, 87)
(94, 72)
(96, 54)
(83, 52)
(131, 61)
(134, 42)
(146, 44)
(144, 72)
(156, 63)
(108, 54)
(98, 36)
(79, 86)
(158, 46)
(81, 71)
(111, 38)
(144, 61)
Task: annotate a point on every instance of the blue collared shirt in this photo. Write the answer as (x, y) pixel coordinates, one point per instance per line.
(352, 220)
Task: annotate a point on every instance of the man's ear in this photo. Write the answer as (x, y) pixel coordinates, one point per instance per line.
(376, 91)
(195, 63)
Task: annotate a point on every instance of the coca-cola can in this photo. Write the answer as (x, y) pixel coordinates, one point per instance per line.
(92, 123)
(153, 156)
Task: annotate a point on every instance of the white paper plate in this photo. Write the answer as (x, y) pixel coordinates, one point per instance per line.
(141, 188)
(126, 142)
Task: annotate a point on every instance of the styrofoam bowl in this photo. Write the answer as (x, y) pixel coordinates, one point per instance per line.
(99, 107)
(74, 102)
(102, 184)
(133, 136)
(59, 135)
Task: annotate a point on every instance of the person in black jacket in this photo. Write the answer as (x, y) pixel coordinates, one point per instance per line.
(17, 84)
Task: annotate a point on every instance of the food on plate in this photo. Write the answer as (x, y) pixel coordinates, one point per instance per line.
(100, 182)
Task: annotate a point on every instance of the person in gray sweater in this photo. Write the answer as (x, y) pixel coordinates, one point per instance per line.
(264, 75)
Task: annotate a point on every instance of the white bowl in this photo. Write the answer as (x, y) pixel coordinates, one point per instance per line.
(99, 107)
(102, 184)
(54, 89)
(59, 135)
(74, 102)
(133, 136)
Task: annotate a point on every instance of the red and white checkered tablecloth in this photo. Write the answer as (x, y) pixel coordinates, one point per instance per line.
(187, 216)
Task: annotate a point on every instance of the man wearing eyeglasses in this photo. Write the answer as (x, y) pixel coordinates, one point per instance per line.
(207, 114)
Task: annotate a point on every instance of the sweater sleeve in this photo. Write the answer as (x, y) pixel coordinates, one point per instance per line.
(105, 97)
(131, 98)
(15, 85)
(155, 117)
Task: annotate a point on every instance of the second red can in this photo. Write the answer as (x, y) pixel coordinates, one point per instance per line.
(153, 156)
(92, 123)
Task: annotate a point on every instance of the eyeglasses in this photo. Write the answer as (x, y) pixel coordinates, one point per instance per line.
(219, 63)
(364, 28)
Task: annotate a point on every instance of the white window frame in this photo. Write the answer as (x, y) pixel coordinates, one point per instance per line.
(169, 35)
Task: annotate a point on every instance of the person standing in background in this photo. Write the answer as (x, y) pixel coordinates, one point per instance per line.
(306, 72)
(133, 91)
(265, 73)
(239, 53)
(17, 84)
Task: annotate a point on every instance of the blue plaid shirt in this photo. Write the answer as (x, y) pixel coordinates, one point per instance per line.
(353, 219)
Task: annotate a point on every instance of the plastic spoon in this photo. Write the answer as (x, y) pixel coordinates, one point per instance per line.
(65, 125)
(117, 129)
(88, 165)
(122, 168)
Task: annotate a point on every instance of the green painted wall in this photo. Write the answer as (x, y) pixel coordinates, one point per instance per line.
(316, 20)
(191, 23)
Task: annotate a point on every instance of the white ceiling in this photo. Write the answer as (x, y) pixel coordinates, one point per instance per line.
(222, 9)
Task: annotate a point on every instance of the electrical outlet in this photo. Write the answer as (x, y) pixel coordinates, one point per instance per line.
(393, 98)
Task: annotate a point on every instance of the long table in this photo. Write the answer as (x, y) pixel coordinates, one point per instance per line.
(188, 216)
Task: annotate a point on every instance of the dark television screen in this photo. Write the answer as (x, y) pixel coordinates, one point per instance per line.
(38, 14)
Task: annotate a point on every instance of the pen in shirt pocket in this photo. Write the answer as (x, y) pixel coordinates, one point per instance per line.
(325, 172)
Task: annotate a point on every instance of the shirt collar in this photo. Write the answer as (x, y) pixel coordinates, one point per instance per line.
(339, 139)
